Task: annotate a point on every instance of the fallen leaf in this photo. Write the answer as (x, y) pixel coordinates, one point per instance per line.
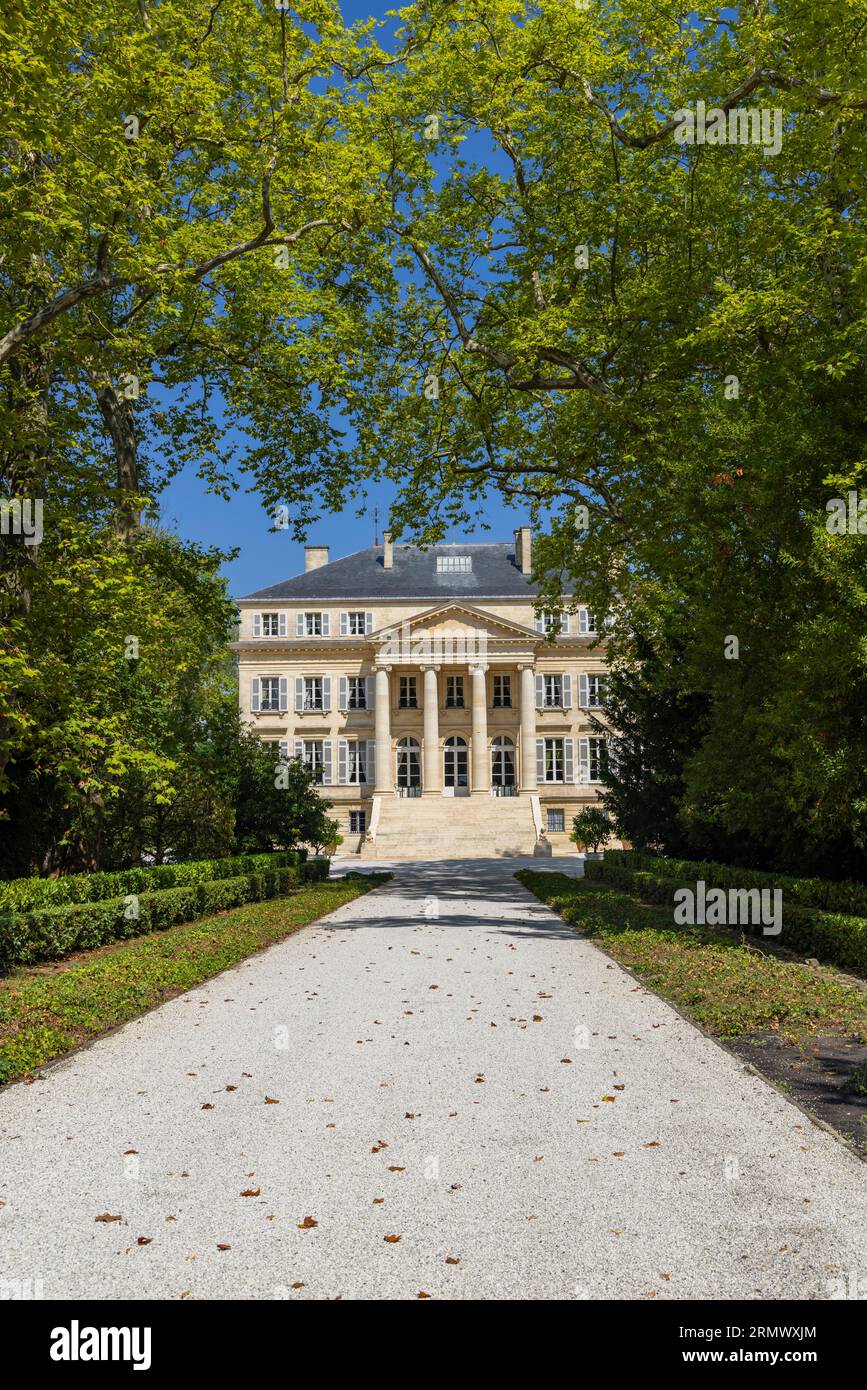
(378, 1201)
(611, 1098)
(421, 1294)
(391, 1240)
(144, 1240)
(207, 1105)
(395, 1169)
(307, 1224)
(451, 1260)
(271, 1100)
(224, 1247)
(299, 1285)
(251, 1192)
(106, 1216)
(620, 1154)
(231, 1088)
(566, 1059)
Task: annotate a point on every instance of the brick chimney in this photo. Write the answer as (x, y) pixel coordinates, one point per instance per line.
(315, 556)
(387, 551)
(523, 548)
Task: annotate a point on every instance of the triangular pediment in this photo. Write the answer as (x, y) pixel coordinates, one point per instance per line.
(463, 618)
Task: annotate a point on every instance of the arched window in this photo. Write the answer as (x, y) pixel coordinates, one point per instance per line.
(455, 766)
(408, 767)
(502, 766)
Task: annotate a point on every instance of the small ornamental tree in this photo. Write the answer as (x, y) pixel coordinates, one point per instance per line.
(591, 828)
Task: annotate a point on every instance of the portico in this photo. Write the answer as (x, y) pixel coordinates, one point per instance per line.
(434, 736)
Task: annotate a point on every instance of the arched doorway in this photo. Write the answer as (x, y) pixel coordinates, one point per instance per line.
(503, 781)
(408, 768)
(455, 767)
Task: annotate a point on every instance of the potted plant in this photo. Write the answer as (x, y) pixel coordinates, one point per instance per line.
(590, 829)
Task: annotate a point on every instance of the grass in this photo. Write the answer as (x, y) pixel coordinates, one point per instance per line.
(47, 1010)
(730, 988)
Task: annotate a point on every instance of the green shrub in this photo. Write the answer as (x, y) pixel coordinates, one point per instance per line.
(828, 894)
(50, 933)
(833, 937)
(29, 894)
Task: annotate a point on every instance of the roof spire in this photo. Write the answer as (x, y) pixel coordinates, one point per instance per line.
(376, 526)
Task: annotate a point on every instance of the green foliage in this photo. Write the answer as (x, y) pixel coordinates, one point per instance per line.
(725, 987)
(591, 828)
(46, 1013)
(54, 932)
(807, 930)
(28, 893)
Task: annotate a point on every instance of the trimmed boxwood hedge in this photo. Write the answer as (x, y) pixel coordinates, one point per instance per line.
(835, 937)
(26, 894)
(53, 932)
(828, 894)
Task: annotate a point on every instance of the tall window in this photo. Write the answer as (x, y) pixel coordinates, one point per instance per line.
(356, 624)
(270, 697)
(356, 763)
(313, 757)
(357, 692)
(357, 822)
(553, 763)
(593, 691)
(556, 820)
(270, 624)
(502, 692)
(454, 692)
(553, 692)
(586, 622)
(595, 759)
(408, 694)
(312, 624)
(313, 692)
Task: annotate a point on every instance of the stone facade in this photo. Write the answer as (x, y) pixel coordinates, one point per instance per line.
(434, 709)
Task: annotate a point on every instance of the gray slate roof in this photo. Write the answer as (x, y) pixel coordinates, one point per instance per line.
(414, 575)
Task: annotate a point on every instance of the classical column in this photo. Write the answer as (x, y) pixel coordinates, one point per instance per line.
(528, 729)
(382, 727)
(432, 772)
(481, 764)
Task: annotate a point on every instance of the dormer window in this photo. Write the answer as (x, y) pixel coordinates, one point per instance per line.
(454, 564)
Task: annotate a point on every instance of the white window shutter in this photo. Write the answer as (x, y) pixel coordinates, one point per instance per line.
(583, 760)
(540, 760)
(257, 624)
(281, 625)
(344, 624)
(540, 692)
(568, 761)
(299, 748)
(583, 691)
(326, 694)
(342, 693)
(564, 624)
(567, 691)
(326, 624)
(255, 694)
(370, 760)
(368, 622)
(326, 762)
(299, 693)
(368, 692)
(284, 694)
(539, 622)
(342, 761)
(612, 744)
(283, 750)
(299, 624)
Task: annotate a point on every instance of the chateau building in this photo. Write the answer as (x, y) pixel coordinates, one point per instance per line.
(441, 713)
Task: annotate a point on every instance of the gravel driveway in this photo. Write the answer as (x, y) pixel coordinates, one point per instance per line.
(438, 1090)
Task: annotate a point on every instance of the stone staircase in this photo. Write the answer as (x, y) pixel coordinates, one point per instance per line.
(440, 827)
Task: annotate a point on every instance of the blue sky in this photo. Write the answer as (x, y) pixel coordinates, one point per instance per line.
(265, 556)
